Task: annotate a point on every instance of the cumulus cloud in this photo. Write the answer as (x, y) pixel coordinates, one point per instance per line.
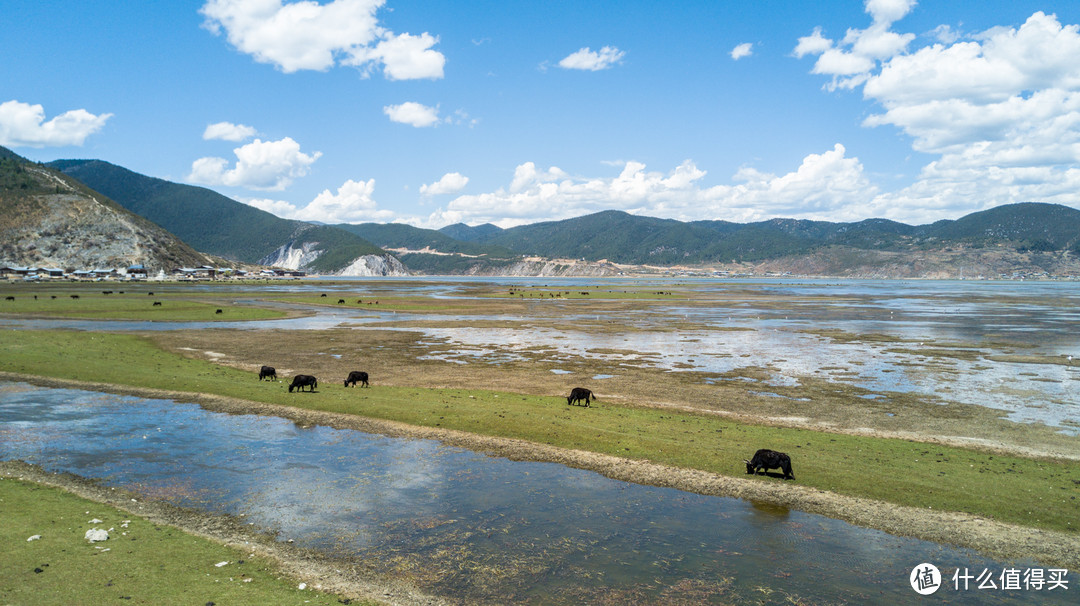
(587, 59)
(814, 44)
(825, 186)
(306, 35)
(413, 114)
(743, 50)
(999, 109)
(227, 131)
(450, 183)
(404, 57)
(354, 202)
(888, 11)
(850, 60)
(280, 208)
(24, 125)
(260, 165)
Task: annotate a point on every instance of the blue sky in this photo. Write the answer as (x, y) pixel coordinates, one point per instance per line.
(433, 113)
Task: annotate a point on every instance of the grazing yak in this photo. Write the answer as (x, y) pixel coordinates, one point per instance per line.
(267, 372)
(766, 459)
(300, 381)
(357, 376)
(580, 394)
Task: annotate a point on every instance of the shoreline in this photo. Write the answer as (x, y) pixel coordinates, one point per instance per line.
(990, 537)
(323, 573)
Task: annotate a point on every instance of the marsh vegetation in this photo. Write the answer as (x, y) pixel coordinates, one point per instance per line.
(921, 397)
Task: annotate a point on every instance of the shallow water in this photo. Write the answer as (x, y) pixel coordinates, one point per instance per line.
(775, 329)
(470, 527)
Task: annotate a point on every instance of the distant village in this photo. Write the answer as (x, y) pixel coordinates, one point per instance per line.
(134, 273)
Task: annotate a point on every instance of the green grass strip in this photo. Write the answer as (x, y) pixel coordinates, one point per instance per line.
(131, 306)
(140, 563)
(1032, 492)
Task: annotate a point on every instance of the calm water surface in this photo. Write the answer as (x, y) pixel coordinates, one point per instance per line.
(474, 528)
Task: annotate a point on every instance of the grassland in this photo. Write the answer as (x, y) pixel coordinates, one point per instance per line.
(142, 562)
(125, 302)
(933, 476)
(911, 456)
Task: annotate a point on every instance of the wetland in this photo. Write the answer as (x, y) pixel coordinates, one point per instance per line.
(959, 394)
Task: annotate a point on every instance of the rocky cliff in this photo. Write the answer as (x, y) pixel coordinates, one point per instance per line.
(293, 255)
(51, 220)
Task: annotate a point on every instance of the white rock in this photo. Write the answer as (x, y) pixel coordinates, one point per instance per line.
(220, 564)
(302, 586)
(96, 534)
(94, 521)
(33, 538)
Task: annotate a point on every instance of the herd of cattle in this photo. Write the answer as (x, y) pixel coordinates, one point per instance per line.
(763, 460)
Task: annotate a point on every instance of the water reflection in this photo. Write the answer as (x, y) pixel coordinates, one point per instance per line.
(771, 325)
(473, 528)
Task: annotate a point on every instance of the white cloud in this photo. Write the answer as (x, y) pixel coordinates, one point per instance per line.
(413, 114)
(260, 165)
(586, 59)
(450, 183)
(743, 50)
(839, 63)
(309, 36)
(888, 11)
(285, 210)
(851, 60)
(404, 57)
(999, 109)
(946, 34)
(24, 125)
(814, 44)
(825, 186)
(353, 202)
(227, 131)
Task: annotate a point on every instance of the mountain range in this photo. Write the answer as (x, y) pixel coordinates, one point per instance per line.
(217, 224)
(1022, 238)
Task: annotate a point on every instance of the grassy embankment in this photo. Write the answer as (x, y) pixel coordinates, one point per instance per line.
(141, 563)
(1031, 492)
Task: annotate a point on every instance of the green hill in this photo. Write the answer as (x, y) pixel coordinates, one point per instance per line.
(1028, 225)
(466, 233)
(212, 222)
(624, 238)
